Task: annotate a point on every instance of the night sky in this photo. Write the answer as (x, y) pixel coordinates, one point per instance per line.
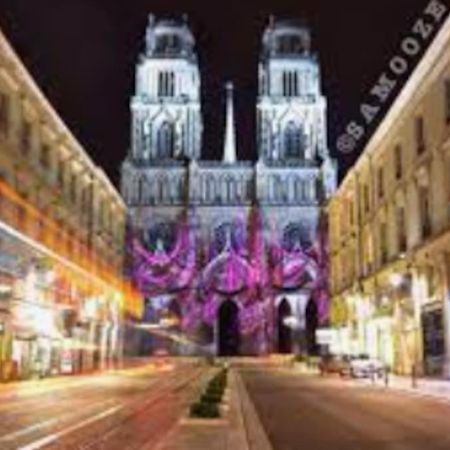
(82, 54)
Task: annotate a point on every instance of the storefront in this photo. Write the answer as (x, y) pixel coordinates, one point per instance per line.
(433, 339)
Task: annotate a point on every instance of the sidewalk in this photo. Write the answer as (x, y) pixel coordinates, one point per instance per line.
(132, 368)
(427, 387)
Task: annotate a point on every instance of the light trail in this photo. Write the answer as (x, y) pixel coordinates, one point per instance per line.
(55, 436)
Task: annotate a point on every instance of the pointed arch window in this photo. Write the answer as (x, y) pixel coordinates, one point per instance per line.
(165, 141)
(166, 84)
(230, 190)
(294, 142)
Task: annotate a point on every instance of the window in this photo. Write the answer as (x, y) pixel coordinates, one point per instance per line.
(293, 141)
(85, 200)
(289, 44)
(398, 162)
(401, 229)
(45, 156)
(25, 137)
(380, 182)
(285, 84)
(290, 84)
(383, 243)
(366, 194)
(165, 145)
(168, 44)
(166, 84)
(73, 187)
(351, 214)
(4, 112)
(424, 205)
(420, 135)
(61, 173)
(447, 101)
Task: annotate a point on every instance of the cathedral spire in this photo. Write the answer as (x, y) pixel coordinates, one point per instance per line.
(229, 152)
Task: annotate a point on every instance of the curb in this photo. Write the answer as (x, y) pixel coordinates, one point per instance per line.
(255, 435)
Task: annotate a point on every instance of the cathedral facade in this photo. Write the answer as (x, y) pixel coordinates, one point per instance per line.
(230, 253)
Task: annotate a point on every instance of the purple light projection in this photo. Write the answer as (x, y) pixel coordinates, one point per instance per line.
(244, 268)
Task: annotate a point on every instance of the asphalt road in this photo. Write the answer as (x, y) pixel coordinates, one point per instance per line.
(133, 409)
(314, 413)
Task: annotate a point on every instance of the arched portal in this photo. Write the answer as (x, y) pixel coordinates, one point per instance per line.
(229, 336)
(312, 323)
(284, 332)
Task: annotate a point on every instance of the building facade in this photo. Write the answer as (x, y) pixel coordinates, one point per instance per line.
(61, 240)
(230, 249)
(390, 229)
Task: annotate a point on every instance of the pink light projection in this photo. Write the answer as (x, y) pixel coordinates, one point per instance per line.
(250, 271)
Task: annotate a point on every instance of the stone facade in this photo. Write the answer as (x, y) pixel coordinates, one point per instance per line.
(62, 229)
(166, 183)
(390, 229)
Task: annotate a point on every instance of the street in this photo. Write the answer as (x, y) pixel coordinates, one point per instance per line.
(326, 413)
(129, 409)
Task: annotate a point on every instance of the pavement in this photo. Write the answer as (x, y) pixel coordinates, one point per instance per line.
(307, 411)
(128, 409)
(436, 388)
(237, 429)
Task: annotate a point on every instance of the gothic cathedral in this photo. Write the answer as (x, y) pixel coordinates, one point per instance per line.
(231, 255)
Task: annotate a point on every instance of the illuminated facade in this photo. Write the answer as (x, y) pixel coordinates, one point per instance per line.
(390, 229)
(231, 249)
(61, 240)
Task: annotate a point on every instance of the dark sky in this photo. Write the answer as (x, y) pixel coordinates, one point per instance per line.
(82, 54)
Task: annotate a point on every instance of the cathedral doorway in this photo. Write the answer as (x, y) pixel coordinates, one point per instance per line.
(229, 336)
(284, 332)
(312, 323)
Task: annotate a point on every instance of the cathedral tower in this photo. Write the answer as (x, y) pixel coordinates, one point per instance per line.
(166, 120)
(291, 110)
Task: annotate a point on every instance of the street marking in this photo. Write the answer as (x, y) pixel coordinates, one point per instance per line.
(27, 430)
(53, 437)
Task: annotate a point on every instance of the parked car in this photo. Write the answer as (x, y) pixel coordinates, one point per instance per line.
(333, 364)
(363, 366)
